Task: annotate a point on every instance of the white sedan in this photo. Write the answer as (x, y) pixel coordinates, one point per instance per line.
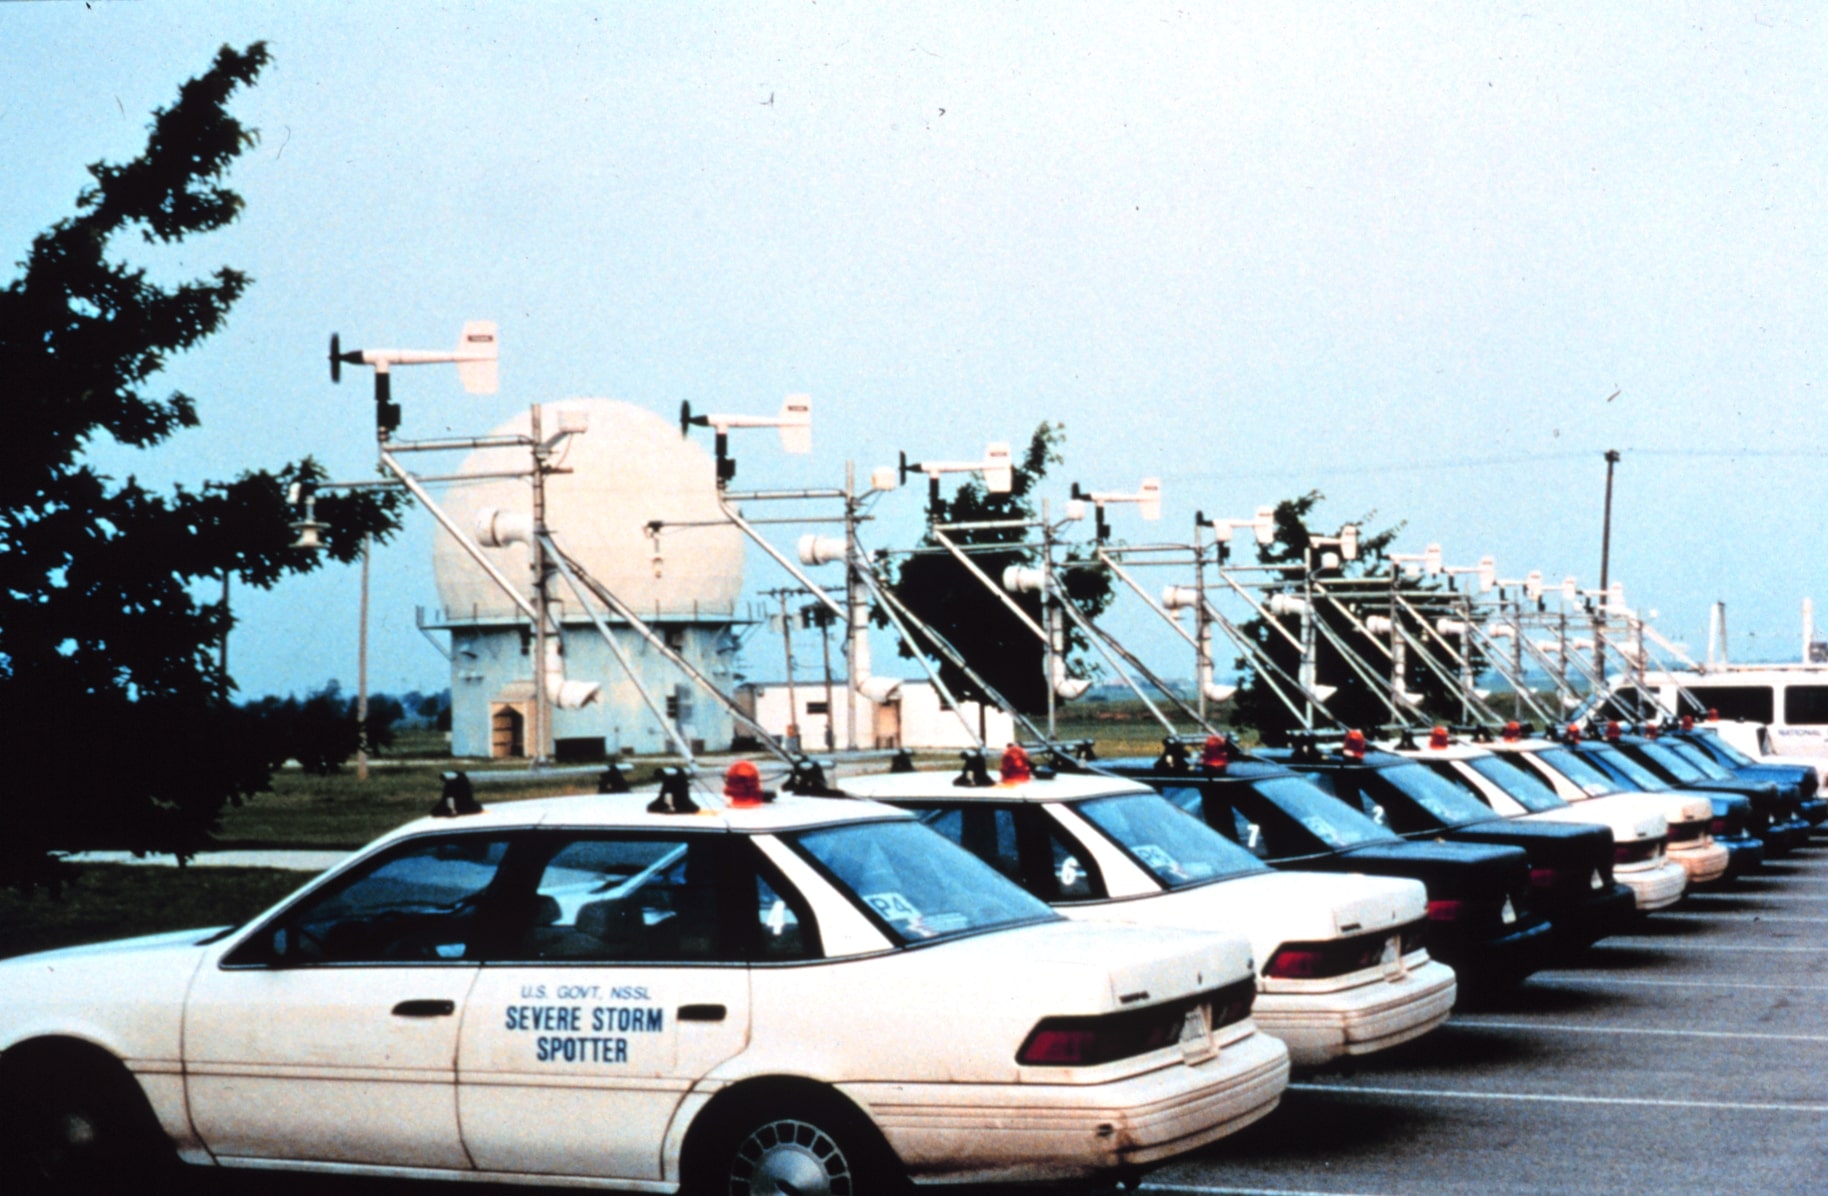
(1342, 966)
(806, 996)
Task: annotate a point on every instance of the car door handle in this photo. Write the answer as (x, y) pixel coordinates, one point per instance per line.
(701, 1013)
(425, 1008)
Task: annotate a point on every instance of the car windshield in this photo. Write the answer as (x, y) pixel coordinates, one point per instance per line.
(1632, 770)
(920, 885)
(1439, 797)
(1670, 762)
(1174, 847)
(1326, 818)
(1524, 787)
(1584, 773)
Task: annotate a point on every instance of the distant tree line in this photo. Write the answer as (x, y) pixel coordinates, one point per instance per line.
(322, 730)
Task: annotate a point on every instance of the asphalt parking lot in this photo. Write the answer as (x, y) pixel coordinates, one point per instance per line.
(1690, 1054)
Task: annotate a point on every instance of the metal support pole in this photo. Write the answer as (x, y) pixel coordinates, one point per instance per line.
(361, 672)
(541, 746)
(1599, 631)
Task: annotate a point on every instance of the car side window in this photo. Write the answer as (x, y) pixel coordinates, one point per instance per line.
(423, 901)
(1071, 874)
(624, 897)
(784, 929)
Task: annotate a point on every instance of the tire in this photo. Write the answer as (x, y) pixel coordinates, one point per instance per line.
(76, 1122)
(799, 1144)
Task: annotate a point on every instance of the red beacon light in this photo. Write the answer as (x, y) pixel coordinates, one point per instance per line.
(1215, 754)
(1713, 716)
(1613, 730)
(743, 786)
(1015, 767)
(1513, 731)
(1573, 733)
(1688, 722)
(1355, 744)
(1651, 731)
(1437, 738)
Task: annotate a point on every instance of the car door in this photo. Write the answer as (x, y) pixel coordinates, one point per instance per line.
(329, 1033)
(629, 984)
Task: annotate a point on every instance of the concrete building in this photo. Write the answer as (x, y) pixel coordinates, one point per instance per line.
(899, 714)
(629, 468)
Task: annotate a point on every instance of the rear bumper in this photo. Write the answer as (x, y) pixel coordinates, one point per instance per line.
(1746, 854)
(1785, 835)
(1603, 912)
(1704, 862)
(1656, 887)
(1497, 960)
(956, 1133)
(1323, 1026)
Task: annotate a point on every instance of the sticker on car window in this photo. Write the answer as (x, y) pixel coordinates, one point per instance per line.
(1159, 861)
(893, 906)
(1069, 872)
(1323, 830)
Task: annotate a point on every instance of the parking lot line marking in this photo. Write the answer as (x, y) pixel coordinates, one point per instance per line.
(1481, 1024)
(1741, 918)
(1626, 982)
(1635, 942)
(1199, 1190)
(1547, 1098)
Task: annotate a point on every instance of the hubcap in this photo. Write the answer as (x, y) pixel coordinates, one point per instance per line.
(790, 1158)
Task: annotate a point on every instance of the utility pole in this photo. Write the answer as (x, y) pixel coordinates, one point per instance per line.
(793, 701)
(1599, 618)
(361, 672)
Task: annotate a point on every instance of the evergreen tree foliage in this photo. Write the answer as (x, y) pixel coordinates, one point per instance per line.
(943, 594)
(120, 719)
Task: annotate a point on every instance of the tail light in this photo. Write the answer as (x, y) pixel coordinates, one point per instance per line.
(1718, 826)
(1339, 957)
(1544, 878)
(1505, 909)
(1445, 910)
(1684, 832)
(1638, 852)
(1103, 1038)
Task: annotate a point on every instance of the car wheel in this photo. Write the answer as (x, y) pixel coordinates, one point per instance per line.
(77, 1124)
(803, 1146)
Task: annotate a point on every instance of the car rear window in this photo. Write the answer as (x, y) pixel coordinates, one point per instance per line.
(1525, 787)
(1584, 773)
(1174, 847)
(916, 884)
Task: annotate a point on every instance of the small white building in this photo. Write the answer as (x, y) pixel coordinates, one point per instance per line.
(906, 714)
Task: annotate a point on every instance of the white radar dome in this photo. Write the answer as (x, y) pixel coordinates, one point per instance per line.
(629, 468)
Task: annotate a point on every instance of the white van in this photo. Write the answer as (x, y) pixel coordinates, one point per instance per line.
(1764, 709)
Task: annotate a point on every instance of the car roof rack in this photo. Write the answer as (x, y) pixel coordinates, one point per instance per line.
(458, 797)
(675, 793)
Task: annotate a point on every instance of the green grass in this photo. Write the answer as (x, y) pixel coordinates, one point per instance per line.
(1117, 728)
(111, 901)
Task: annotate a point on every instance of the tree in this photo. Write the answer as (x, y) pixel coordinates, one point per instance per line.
(943, 594)
(123, 731)
(1355, 702)
(321, 732)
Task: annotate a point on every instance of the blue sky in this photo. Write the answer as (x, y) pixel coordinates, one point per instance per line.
(1400, 253)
